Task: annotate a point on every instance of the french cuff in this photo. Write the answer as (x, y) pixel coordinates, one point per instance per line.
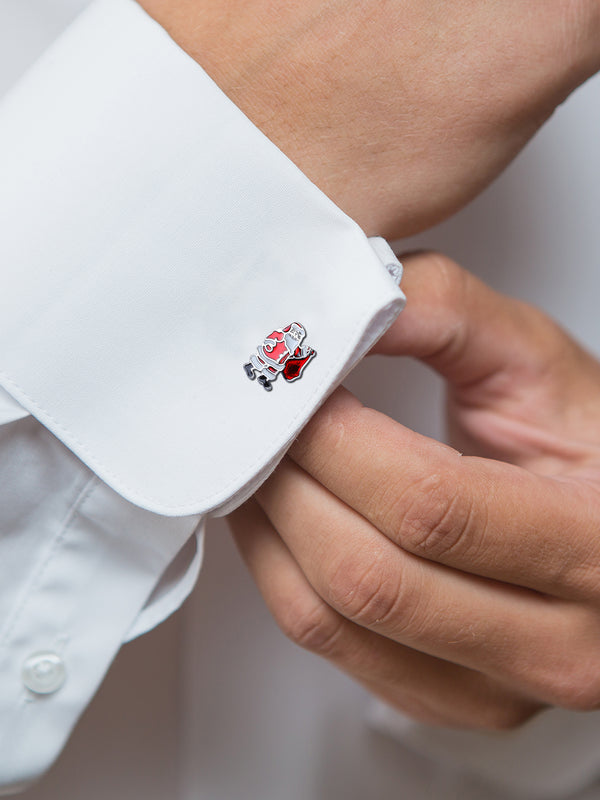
(154, 243)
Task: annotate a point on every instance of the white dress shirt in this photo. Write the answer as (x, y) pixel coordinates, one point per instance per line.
(139, 275)
(136, 201)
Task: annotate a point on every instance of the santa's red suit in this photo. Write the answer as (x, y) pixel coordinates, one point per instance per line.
(281, 351)
(274, 352)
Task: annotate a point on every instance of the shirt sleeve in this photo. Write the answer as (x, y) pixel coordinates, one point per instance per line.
(152, 239)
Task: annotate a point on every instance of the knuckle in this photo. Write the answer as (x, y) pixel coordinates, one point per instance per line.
(313, 626)
(434, 521)
(365, 591)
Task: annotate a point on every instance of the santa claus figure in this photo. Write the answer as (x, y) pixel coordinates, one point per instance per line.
(281, 352)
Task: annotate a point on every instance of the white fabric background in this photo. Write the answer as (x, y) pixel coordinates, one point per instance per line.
(216, 704)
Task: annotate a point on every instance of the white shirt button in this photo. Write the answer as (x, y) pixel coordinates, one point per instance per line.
(44, 673)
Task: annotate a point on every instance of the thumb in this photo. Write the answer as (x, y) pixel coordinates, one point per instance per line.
(469, 333)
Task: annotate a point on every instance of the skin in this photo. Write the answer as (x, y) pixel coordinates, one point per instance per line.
(400, 111)
(462, 589)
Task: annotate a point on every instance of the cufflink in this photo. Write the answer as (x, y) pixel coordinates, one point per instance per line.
(282, 352)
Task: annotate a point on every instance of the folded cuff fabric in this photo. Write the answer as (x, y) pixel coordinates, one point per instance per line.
(155, 237)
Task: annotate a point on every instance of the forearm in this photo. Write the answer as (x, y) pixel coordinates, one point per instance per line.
(400, 114)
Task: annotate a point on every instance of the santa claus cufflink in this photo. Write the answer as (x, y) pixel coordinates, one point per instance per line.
(281, 352)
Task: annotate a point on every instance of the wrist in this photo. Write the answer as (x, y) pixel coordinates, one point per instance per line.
(281, 75)
(400, 113)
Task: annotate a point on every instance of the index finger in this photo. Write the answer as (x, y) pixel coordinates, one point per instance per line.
(481, 516)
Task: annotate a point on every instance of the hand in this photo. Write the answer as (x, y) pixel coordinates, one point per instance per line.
(400, 112)
(463, 590)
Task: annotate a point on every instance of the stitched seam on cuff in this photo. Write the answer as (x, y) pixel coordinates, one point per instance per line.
(184, 506)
